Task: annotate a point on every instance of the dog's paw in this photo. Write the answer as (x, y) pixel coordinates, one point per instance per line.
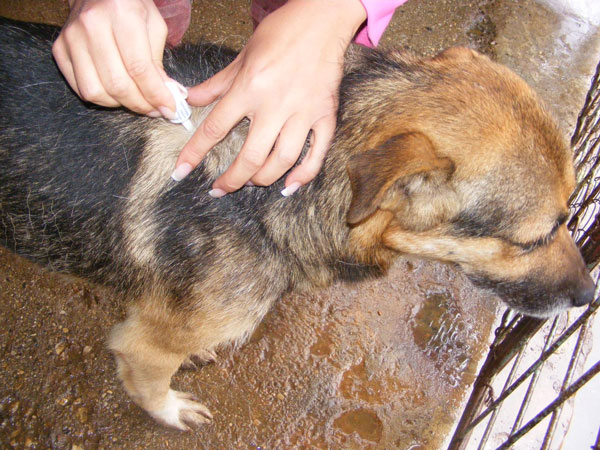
(182, 411)
(201, 358)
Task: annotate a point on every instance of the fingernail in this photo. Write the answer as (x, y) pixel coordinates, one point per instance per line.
(290, 189)
(166, 112)
(181, 171)
(183, 89)
(154, 114)
(217, 193)
(249, 183)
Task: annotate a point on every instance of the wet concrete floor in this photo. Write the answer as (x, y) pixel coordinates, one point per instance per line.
(375, 365)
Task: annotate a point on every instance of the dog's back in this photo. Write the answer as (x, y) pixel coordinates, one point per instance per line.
(64, 166)
(87, 190)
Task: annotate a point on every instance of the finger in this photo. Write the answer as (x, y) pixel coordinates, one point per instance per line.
(115, 79)
(63, 61)
(321, 137)
(157, 44)
(138, 59)
(89, 85)
(225, 115)
(208, 91)
(285, 154)
(261, 138)
(157, 36)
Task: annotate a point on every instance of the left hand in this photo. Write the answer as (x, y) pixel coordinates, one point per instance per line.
(285, 81)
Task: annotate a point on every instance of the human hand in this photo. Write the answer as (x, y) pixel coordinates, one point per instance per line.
(285, 81)
(110, 52)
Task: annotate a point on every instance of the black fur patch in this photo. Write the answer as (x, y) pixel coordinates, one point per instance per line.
(66, 168)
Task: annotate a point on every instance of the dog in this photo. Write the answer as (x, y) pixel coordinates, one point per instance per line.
(452, 158)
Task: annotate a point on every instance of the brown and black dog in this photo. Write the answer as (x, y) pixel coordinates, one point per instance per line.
(451, 158)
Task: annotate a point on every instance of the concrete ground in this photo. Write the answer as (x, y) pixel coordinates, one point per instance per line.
(376, 365)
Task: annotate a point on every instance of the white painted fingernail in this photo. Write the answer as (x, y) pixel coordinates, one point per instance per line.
(154, 114)
(166, 112)
(181, 171)
(217, 193)
(290, 189)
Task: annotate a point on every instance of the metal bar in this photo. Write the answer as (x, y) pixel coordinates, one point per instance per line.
(564, 396)
(597, 444)
(566, 381)
(590, 100)
(590, 198)
(502, 351)
(545, 355)
(509, 379)
(534, 378)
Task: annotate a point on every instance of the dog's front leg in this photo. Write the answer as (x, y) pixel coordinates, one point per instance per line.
(149, 347)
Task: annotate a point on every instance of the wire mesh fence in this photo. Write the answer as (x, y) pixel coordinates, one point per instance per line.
(534, 390)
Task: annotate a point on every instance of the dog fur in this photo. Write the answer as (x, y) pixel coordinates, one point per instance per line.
(452, 158)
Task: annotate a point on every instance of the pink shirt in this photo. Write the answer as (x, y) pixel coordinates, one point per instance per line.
(379, 14)
(177, 14)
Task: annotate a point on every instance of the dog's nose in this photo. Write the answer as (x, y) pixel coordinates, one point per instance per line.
(585, 292)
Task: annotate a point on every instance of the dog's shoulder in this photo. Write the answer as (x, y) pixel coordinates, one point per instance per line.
(192, 63)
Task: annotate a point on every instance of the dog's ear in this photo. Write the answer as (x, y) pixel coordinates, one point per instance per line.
(459, 54)
(398, 159)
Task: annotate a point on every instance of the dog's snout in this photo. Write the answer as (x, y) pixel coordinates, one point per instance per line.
(584, 294)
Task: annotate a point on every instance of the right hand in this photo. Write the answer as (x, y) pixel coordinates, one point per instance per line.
(110, 52)
(286, 82)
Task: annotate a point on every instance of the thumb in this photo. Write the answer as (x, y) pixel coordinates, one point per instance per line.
(216, 86)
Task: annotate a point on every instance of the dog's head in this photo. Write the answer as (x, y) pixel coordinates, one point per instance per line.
(466, 166)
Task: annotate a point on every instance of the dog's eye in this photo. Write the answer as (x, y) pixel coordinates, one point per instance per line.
(531, 246)
(545, 240)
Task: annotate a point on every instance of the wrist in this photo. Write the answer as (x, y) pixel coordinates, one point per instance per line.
(351, 14)
(344, 16)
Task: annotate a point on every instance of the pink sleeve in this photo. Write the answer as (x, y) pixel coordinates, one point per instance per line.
(379, 14)
(177, 14)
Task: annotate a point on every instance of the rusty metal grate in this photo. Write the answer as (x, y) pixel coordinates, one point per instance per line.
(523, 347)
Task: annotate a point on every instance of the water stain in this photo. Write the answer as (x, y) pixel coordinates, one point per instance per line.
(356, 385)
(362, 421)
(482, 33)
(558, 41)
(323, 346)
(359, 384)
(442, 332)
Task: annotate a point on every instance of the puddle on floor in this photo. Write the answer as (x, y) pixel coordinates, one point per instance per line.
(361, 421)
(441, 331)
(341, 368)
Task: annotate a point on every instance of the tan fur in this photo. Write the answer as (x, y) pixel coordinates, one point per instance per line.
(415, 163)
(153, 177)
(452, 158)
